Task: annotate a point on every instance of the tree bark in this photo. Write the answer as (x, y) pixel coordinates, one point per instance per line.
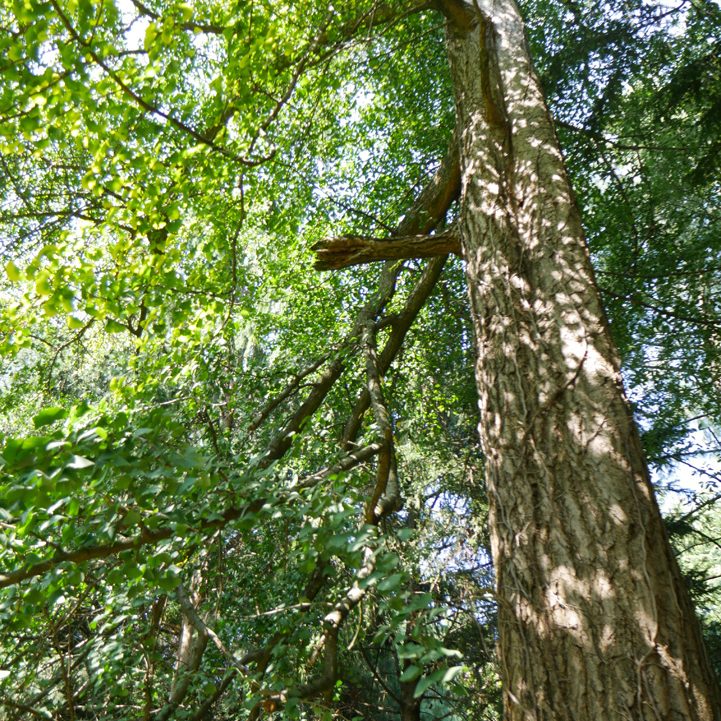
(347, 250)
(594, 619)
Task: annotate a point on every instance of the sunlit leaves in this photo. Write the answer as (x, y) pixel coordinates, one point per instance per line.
(49, 415)
(157, 293)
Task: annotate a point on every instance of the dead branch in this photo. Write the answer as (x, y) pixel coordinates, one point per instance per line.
(347, 250)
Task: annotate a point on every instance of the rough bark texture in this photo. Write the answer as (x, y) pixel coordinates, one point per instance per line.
(595, 622)
(347, 250)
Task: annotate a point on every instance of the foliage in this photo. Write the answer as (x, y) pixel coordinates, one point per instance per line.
(178, 383)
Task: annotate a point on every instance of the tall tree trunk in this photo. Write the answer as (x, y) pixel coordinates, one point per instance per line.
(595, 622)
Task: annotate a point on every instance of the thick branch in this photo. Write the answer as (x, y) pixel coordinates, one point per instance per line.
(429, 208)
(458, 13)
(335, 253)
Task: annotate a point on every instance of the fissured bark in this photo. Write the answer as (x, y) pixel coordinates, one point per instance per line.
(595, 621)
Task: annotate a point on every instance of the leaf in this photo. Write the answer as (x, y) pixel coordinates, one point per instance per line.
(49, 415)
(112, 326)
(451, 652)
(168, 581)
(12, 271)
(186, 11)
(42, 284)
(410, 650)
(411, 673)
(451, 673)
(80, 462)
(150, 34)
(393, 581)
(405, 534)
(442, 675)
(423, 685)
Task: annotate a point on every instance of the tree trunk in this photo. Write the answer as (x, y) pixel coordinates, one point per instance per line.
(410, 707)
(595, 622)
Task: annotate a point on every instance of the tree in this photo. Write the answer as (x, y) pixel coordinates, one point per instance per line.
(565, 468)
(139, 188)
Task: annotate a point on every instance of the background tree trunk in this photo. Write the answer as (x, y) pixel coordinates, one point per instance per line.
(595, 621)
(410, 706)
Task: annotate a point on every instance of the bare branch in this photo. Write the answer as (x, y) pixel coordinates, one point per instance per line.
(399, 329)
(386, 494)
(347, 250)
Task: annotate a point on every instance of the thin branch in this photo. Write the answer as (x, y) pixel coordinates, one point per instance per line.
(260, 417)
(635, 299)
(27, 709)
(144, 104)
(148, 537)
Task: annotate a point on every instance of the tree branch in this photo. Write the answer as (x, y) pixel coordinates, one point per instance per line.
(347, 250)
(386, 494)
(411, 235)
(148, 537)
(399, 329)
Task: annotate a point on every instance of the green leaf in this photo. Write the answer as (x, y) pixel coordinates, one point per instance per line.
(112, 326)
(410, 650)
(42, 284)
(168, 581)
(186, 11)
(451, 674)
(392, 582)
(405, 534)
(442, 675)
(49, 415)
(12, 271)
(423, 685)
(151, 33)
(451, 652)
(411, 673)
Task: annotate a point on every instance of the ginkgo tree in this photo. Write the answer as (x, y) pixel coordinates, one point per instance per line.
(228, 477)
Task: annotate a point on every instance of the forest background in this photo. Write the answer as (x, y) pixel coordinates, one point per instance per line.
(194, 419)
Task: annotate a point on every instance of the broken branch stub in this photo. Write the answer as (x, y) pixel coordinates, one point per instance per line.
(347, 250)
